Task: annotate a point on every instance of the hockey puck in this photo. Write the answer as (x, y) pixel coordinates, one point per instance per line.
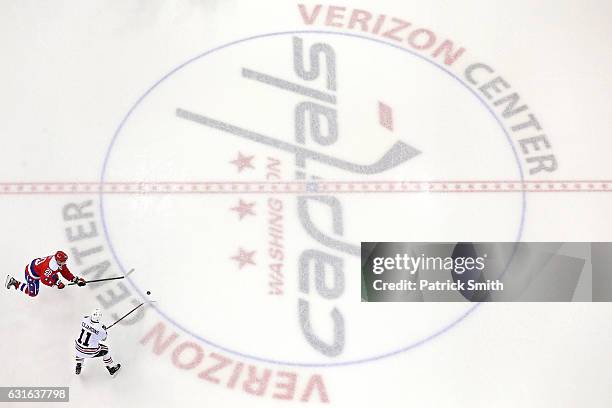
(148, 292)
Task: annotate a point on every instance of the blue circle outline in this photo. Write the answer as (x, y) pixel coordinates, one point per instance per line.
(443, 330)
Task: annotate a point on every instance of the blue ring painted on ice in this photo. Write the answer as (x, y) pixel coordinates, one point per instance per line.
(290, 363)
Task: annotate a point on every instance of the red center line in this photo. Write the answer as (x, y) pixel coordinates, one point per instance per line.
(307, 187)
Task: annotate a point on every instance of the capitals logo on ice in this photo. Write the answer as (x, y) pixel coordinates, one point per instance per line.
(246, 238)
(321, 246)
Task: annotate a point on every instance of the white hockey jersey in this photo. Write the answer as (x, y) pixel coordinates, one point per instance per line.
(90, 336)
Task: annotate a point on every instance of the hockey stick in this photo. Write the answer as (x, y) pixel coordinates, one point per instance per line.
(129, 313)
(105, 279)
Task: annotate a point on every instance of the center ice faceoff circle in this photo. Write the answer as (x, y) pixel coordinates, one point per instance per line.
(275, 276)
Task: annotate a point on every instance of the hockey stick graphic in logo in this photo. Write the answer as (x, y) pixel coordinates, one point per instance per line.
(105, 279)
(396, 155)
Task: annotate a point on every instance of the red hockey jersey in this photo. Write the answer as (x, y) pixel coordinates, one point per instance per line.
(46, 269)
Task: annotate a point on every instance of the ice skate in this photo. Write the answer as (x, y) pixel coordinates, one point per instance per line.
(113, 370)
(11, 282)
(77, 371)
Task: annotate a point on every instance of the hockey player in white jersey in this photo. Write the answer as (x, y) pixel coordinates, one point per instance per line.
(88, 344)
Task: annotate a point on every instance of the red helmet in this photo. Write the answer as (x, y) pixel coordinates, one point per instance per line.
(61, 257)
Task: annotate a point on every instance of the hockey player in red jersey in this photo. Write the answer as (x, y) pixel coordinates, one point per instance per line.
(44, 270)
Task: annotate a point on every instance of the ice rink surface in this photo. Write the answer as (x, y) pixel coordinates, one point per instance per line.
(234, 153)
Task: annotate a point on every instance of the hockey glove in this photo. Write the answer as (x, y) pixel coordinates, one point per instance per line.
(60, 285)
(79, 281)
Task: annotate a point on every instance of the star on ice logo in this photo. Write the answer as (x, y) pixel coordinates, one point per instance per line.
(244, 208)
(244, 258)
(243, 162)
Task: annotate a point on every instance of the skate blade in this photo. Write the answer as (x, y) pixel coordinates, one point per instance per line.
(116, 372)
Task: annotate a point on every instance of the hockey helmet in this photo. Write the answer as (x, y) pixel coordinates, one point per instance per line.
(61, 257)
(96, 315)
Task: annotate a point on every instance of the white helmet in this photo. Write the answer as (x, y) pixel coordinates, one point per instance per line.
(96, 315)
